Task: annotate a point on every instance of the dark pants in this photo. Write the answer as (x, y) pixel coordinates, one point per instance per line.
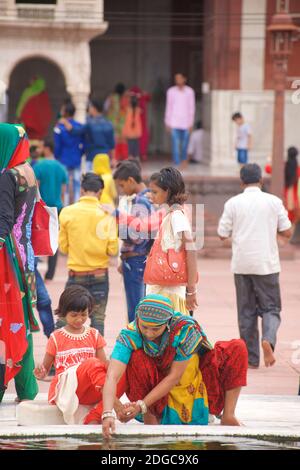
(52, 262)
(258, 296)
(44, 305)
(133, 147)
(180, 141)
(133, 275)
(242, 156)
(98, 287)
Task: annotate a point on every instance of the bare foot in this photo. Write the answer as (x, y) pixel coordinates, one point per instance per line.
(269, 357)
(150, 419)
(230, 421)
(252, 366)
(183, 165)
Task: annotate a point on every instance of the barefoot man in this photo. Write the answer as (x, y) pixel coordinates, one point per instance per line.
(253, 219)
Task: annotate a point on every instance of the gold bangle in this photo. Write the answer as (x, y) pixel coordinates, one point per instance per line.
(108, 414)
(143, 406)
(191, 293)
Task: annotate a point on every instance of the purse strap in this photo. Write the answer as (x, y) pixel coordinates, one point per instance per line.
(167, 225)
(38, 194)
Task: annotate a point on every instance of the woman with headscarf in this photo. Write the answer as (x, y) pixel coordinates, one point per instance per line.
(291, 179)
(17, 281)
(291, 176)
(143, 101)
(173, 374)
(115, 106)
(101, 166)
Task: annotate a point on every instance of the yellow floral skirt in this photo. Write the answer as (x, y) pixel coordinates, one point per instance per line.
(188, 402)
(175, 294)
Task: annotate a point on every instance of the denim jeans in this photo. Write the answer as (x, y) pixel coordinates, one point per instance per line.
(98, 287)
(52, 261)
(44, 305)
(242, 156)
(180, 141)
(88, 166)
(133, 147)
(133, 275)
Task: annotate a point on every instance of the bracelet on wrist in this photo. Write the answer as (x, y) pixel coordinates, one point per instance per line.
(143, 406)
(108, 414)
(191, 293)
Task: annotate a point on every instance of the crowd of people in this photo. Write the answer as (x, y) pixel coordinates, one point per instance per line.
(162, 360)
(187, 376)
(118, 127)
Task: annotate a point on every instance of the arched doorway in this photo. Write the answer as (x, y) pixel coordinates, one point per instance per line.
(21, 76)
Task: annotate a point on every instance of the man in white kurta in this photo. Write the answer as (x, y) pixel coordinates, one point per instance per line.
(253, 219)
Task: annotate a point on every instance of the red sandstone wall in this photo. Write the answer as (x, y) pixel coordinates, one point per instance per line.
(222, 32)
(294, 60)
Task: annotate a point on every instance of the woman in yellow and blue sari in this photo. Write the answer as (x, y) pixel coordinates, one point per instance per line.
(173, 374)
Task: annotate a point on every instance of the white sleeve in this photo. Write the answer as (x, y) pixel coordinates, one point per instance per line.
(284, 222)
(226, 221)
(180, 222)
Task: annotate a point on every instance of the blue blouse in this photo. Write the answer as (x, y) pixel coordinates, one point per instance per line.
(186, 341)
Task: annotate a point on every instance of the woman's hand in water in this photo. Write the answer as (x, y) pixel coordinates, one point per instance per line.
(40, 372)
(108, 427)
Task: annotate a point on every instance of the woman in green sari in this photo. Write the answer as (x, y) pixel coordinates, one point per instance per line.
(17, 281)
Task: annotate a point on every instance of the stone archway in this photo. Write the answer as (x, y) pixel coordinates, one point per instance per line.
(24, 71)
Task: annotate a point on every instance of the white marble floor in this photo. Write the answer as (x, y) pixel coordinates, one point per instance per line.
(262, 415)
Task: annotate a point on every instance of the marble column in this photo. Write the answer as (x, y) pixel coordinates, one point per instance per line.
(249, 99)
(253, 39)
(78, 81)
(80, 100)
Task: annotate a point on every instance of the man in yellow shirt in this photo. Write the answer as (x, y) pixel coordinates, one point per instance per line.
(89, 237)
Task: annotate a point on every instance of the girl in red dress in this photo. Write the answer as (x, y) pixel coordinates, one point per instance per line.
(77, 352)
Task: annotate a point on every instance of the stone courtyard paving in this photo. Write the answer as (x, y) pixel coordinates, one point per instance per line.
(269, 405)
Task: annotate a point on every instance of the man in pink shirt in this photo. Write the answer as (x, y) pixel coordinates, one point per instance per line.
(179, 117)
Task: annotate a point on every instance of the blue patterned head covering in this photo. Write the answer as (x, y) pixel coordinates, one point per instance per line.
(154, 310)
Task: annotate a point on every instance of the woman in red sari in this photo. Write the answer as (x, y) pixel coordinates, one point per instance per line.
(292, 174)
(116, 106)
(291, 178)
(173, 374)
(143, 98)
